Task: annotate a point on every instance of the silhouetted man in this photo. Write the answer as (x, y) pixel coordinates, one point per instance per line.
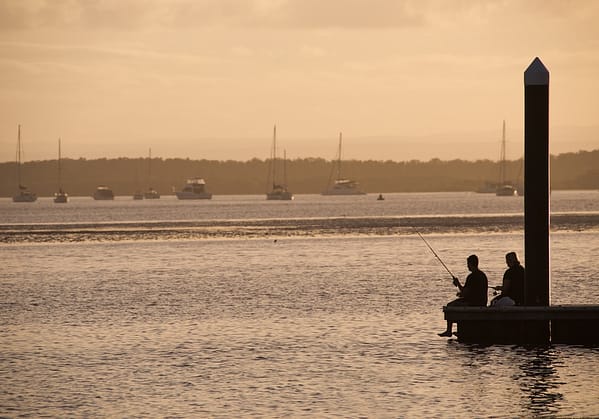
(512, 287)
(472, 293)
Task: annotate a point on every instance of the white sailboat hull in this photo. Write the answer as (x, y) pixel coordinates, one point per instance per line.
(279, 196)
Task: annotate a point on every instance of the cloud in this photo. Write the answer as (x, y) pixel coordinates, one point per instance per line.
(293, 14)
(344, 14)
(134, 14)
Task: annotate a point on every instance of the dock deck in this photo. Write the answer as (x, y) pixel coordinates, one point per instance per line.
(576, 324)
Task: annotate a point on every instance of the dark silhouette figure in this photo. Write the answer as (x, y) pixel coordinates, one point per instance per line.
(472, 293)
(512, 288)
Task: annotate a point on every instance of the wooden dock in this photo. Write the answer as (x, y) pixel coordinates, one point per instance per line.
(573, 324)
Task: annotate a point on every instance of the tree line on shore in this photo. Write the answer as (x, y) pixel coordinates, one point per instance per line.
(80, 177)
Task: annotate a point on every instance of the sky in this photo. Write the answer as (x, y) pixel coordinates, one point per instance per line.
(403, 80)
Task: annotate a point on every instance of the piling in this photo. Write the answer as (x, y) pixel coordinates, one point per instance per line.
(536, 185)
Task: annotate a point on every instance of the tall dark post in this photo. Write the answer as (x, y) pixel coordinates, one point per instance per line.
(536, 184)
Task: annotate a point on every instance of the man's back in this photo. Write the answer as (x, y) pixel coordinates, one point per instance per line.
(515, 276)
(475, 289)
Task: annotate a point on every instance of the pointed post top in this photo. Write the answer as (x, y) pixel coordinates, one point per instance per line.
(536, 74)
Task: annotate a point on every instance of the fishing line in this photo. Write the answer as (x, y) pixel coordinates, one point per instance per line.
(436, 255)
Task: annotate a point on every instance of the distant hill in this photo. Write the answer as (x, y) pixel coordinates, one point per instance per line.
(80, 177)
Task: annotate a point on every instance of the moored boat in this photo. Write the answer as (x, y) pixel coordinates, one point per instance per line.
(103, 193)
(504, 188)
(342, 186)
(278, 192)
(23, 195)
(151, 193)
(194, 188)
(60, 197)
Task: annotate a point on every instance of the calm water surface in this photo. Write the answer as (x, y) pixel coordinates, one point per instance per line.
(323, 325)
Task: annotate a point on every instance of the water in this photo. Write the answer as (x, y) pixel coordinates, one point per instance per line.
(309, 323)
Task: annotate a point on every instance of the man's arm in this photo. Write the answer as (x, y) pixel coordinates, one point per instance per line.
(507, 282)
(456, 282)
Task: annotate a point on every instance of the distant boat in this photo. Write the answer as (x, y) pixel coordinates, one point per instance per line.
(60, 197)
(194, 188)
(505, 188)
(380, 197)
(23, 195)
(150, 193)
(341, 186)
(103, 193)
(279, 191)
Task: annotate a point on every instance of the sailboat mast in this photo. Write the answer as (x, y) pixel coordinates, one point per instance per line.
(339, 158)
(59, 168)
(149, 167)
(274, 155)
(285, 168)
(19, 158)
(502, 157)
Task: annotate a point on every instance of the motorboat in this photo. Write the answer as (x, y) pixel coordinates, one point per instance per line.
(24, 196)
(103, 193)
(194, 188)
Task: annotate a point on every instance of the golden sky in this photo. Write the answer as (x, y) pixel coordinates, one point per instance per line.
(209, 78)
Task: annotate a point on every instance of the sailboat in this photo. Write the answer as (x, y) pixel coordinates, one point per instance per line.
(341, 186)
(138, 194)
(505, 188)
(279, 191)
(60, 197)
(150, 193)
(23, 195)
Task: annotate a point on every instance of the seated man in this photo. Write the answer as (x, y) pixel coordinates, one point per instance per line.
(512, 288)
(472, 293)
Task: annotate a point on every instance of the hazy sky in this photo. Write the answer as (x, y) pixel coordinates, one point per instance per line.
(209, 78)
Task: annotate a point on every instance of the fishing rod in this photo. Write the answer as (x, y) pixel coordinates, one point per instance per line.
(436, 255)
